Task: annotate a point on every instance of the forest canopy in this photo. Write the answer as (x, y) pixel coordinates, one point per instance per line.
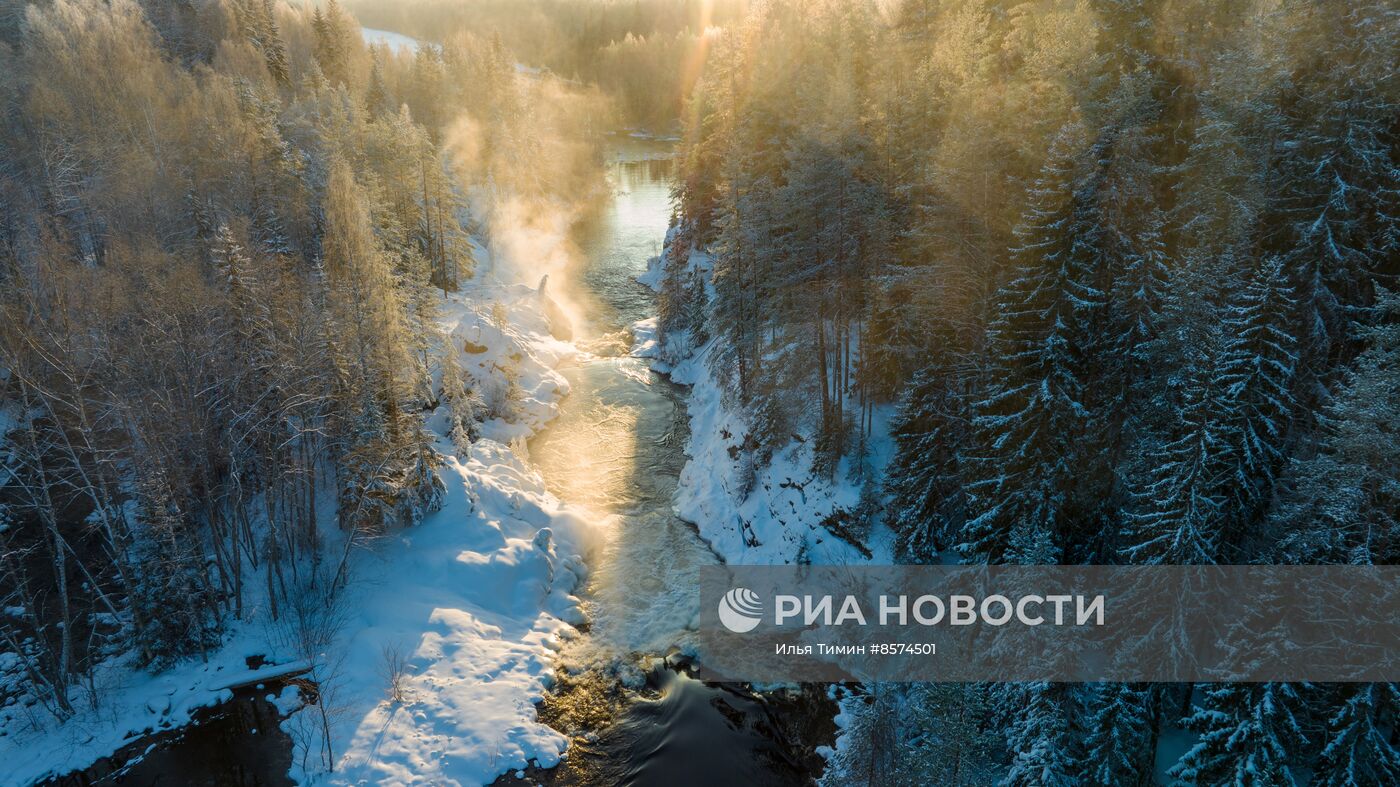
(1126, 271)
(647, 54)
(225, 227)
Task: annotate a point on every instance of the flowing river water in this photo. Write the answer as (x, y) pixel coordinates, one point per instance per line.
(638, 712)
(617, 447)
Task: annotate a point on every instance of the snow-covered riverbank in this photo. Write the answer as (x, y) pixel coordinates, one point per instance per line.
(781, 519)
(479, 597)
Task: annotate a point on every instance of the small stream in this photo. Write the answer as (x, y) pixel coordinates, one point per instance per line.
(638, 711)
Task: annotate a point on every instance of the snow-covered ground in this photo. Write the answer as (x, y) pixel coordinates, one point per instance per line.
(479, 597)
(34, 748)
(397, 42)
(780, 521)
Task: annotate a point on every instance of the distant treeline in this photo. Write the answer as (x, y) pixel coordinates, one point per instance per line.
(644, 52)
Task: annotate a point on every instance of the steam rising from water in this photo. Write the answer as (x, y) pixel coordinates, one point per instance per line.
(615, 451)
(537, 176)
(617, 447)
(552, 209)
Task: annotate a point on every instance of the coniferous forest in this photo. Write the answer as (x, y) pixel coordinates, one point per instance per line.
(1127, 268)
(1097, 282)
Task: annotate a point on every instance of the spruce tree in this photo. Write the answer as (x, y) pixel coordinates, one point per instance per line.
(1359, 748)
(924, 480)
(1041, 735)
(273, 49)
(1339, 501)
(1258, 365)
(1175, 507)
(1339, 198)
(1249, 735)
(1033, 432)
(1121, 734)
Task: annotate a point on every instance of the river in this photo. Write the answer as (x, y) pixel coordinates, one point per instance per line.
(638, 712)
